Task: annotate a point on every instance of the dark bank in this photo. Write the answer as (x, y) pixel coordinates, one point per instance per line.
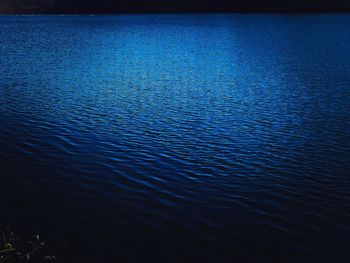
(172, 6)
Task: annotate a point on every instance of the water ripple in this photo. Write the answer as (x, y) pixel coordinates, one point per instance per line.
(178, 138)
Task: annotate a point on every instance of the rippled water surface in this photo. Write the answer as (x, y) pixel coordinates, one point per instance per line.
(202, 138)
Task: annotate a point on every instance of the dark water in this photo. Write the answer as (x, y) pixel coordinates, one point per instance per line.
(178, 138)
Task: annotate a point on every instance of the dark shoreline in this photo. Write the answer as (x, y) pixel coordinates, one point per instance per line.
(172, 6)
(173, 12)
(175, 6)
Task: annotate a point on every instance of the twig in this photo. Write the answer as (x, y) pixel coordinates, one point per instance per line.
(4, 237)
(31, 252)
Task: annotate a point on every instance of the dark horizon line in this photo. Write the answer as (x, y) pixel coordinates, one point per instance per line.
(46, 12)
(176, 8)
(172, 6)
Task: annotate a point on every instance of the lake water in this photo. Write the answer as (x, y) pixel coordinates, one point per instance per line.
(177, 138)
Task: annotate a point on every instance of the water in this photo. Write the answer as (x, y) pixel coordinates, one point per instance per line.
(195, 138)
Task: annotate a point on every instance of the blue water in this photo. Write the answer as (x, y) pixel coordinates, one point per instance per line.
(177, 138)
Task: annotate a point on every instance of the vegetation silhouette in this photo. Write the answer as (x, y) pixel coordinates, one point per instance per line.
(14, 249)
